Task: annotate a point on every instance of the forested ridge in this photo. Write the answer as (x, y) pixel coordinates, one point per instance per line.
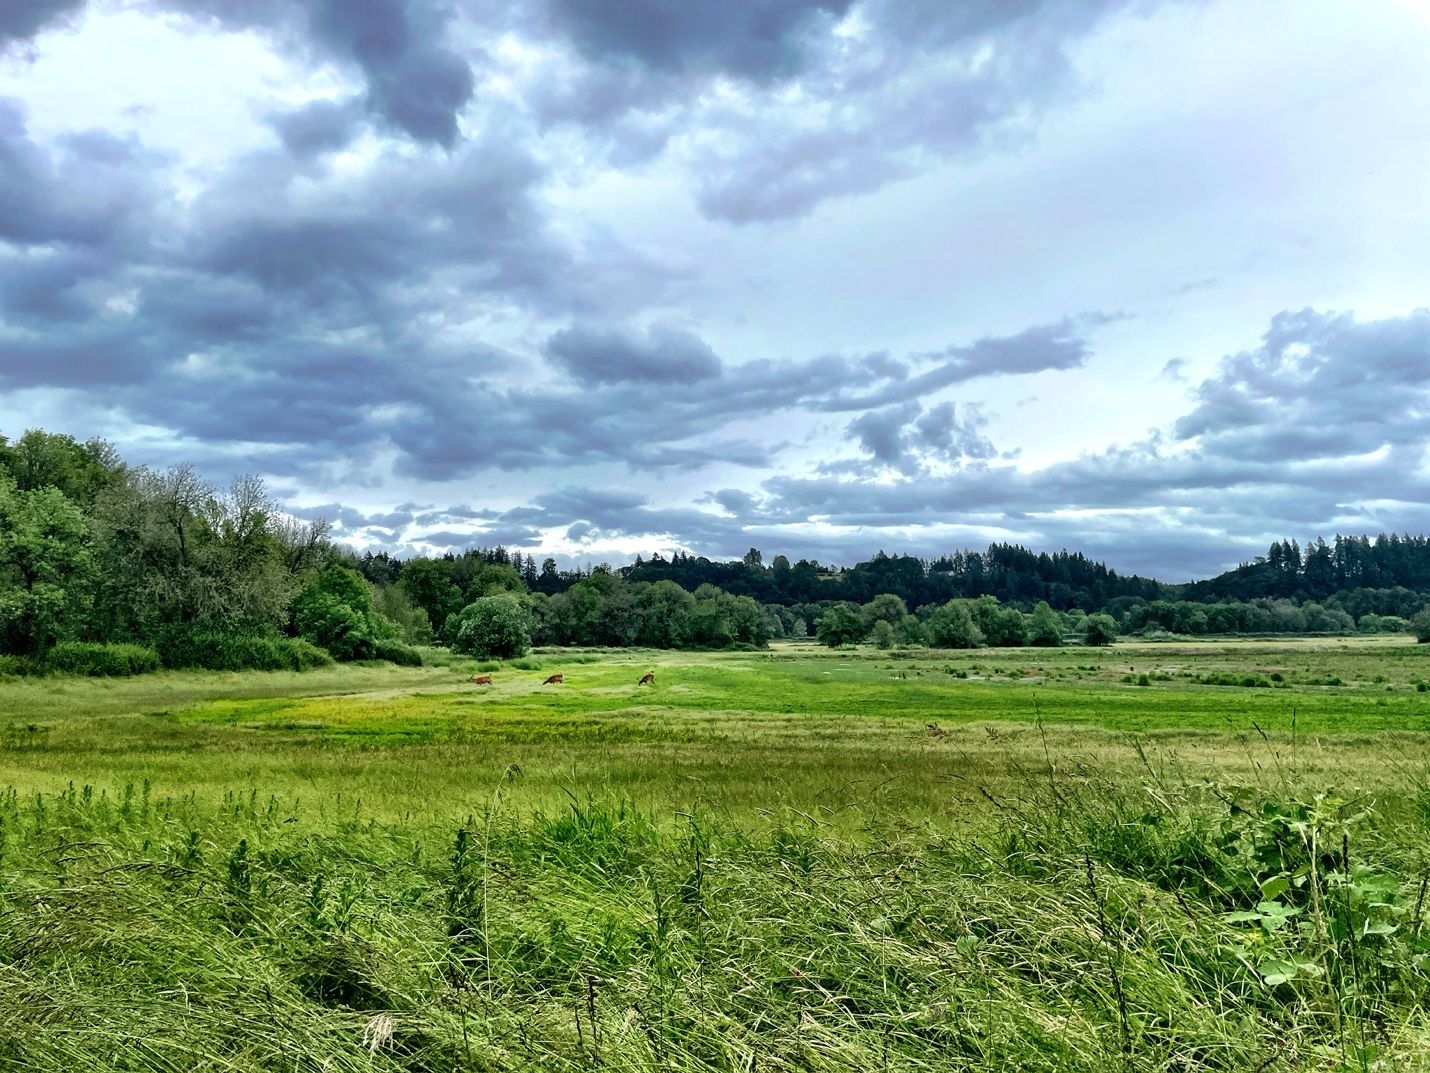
(111, 568)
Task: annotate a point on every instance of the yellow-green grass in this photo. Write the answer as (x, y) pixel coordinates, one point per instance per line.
(840, 733)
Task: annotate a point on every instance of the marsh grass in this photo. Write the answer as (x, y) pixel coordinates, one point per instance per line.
(772, 861)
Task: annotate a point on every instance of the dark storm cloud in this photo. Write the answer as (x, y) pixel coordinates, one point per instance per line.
(663, 354)
(940, 432)
(881, 432)
(756, 39)
(350, 518)
(340, 244)
(86, 189)
(1320, 386)
(319, 127)
(450, 514)
(507, 536)
(734, 500)
(635, 408)
(417, 82)
(223, 322)
(22, 19)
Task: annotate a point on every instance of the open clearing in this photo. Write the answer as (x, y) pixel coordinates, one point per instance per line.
(1156, 856)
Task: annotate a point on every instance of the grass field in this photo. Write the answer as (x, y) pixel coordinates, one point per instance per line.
(1150, 857)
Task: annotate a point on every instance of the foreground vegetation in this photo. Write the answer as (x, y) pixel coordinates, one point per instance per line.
(787, 860)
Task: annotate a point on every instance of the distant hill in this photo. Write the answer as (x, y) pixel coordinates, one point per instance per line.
(1350, 563)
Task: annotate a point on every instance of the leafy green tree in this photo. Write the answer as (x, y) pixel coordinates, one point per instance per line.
(1002, 627)
(1099, 630)
(429, 585)
(542, 614)
(40, 459)
(177, 559)
(494, 627)
(493, 578)
(952, 626)
(839, 626)
(393, 603)
(1045, 627)
(882, 634)
(335, 611)
(578, 611)
(666, 623)
(46, 568)
(886, 607)
(746, 618)
(623, 611)
(910, 631)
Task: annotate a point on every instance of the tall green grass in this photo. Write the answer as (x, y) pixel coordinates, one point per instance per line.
(1085, 925)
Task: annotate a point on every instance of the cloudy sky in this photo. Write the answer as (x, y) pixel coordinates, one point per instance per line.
(1146, 278)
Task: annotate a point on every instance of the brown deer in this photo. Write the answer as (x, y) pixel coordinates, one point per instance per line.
(555, 679)
(647, 679)
(481, 679)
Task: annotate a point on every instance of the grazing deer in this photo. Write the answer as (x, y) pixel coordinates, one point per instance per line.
(555, 679)
(647, 679)
(481, 679)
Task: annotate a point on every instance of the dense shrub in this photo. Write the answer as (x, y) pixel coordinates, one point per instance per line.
(1420, 626)
(492, 627)
(18, 665)
(304, 654)
(401, 654)
(102, 661)
(241, 652)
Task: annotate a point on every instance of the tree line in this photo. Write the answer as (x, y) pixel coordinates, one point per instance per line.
(111, 568)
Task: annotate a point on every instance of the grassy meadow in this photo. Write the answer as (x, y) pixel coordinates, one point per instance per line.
(1209, 856)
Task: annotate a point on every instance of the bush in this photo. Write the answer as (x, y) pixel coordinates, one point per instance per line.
(241, 652)
(306, 655)
(1420, 626)
(492, 627)
(101, 660)
(18, 665)
(399, 653)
